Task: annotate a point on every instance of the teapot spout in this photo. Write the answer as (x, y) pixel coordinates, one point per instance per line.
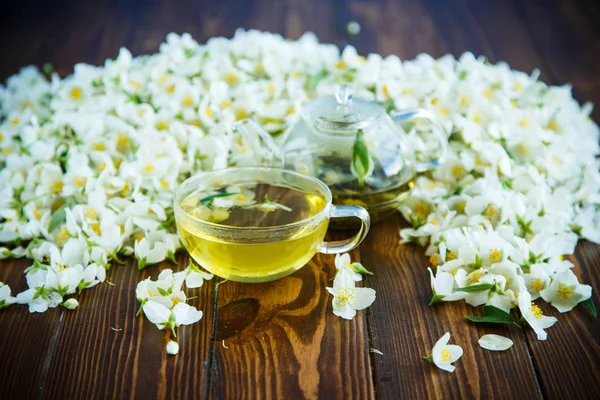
(251, 145)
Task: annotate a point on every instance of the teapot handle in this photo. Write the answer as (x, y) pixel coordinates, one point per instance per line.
(437, 130)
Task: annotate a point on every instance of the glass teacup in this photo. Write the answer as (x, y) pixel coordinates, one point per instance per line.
(258, 224)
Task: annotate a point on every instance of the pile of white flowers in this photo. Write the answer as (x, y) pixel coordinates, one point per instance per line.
(89, 162)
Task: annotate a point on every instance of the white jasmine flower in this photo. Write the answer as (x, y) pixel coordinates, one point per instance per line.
(195, 277)
(5, 298)
(342, 262)
(172, 347)
(347, 298)
(495, 342)
(565, 291)
(534, 316)
(70, 304)
(444, 354)
(442, 285)
(163, 317)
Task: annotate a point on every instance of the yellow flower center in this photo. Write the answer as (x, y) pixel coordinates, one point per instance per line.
(434, 222)
(79, 181)
(98, 147)
(15, 121)
(122, 143)
(517, 86)
(226, 104)
(101, 167)
(522, 149)
(187, 101)
(434, 101)
(524, 123)
(135, 84)
(91, 213)
(487, 94)
(162, 125)
(271, 88)
(148, 168)
(137, 237)
(457, 171)
(476, 117)
(537, 284)
(451, 256)
(208, 112)
(460, 207)
(125, 190)
(62, 235)
(57, 186)
(495, 255)
(240, 113)
(553, 125)
(446, 355)
(175, 301)
(231, 78)
(421, 209)
(513, 103)
(345, 297)
(565, 291)
(537, 312)
(36, 212)
(443, 111)
(96, 228)
(491, 212)
(76, 93)
(291, 110)
(340, 65)
(474, 277)
(170, 89)
(164, 184)
(435, 260)
(385, 91)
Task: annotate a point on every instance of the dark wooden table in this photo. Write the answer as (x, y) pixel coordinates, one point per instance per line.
(282, 340)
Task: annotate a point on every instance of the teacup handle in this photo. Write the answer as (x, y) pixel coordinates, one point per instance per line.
(343, 246)
(436, 128)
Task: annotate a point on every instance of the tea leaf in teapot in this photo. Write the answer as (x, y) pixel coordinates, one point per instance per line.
(362, 164)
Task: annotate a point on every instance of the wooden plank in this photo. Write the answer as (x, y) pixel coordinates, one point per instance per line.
(281, 340)
(26, 340)
(405, 329)
(403, 28)
(493, 29)
(91, 360)
(568, 363)
(568, 37)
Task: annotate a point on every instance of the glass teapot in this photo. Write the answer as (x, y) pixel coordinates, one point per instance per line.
(360, 151)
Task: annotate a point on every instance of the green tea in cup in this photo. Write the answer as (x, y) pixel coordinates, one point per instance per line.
(258, 224)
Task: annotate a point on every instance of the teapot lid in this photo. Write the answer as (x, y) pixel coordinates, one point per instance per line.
(342, 112)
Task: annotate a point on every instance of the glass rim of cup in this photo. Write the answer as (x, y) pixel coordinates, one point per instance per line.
(179, 212)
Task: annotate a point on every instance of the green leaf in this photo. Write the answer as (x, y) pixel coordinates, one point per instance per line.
(314, 80)
(480, 287)
(58, 218)
(142, 263)
(163, 292)
(435, 299)
(210, 198)
(589, 304)
(358, 267)
(493, 315)
(361, 160)
(48, 69)
(171, 257)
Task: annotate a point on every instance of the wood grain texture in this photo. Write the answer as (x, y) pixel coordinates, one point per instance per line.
(405, 329)
(26, 340)
(281, 339)
(93, 360)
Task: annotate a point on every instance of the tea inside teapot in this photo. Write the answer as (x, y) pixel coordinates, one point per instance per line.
(355, 148)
